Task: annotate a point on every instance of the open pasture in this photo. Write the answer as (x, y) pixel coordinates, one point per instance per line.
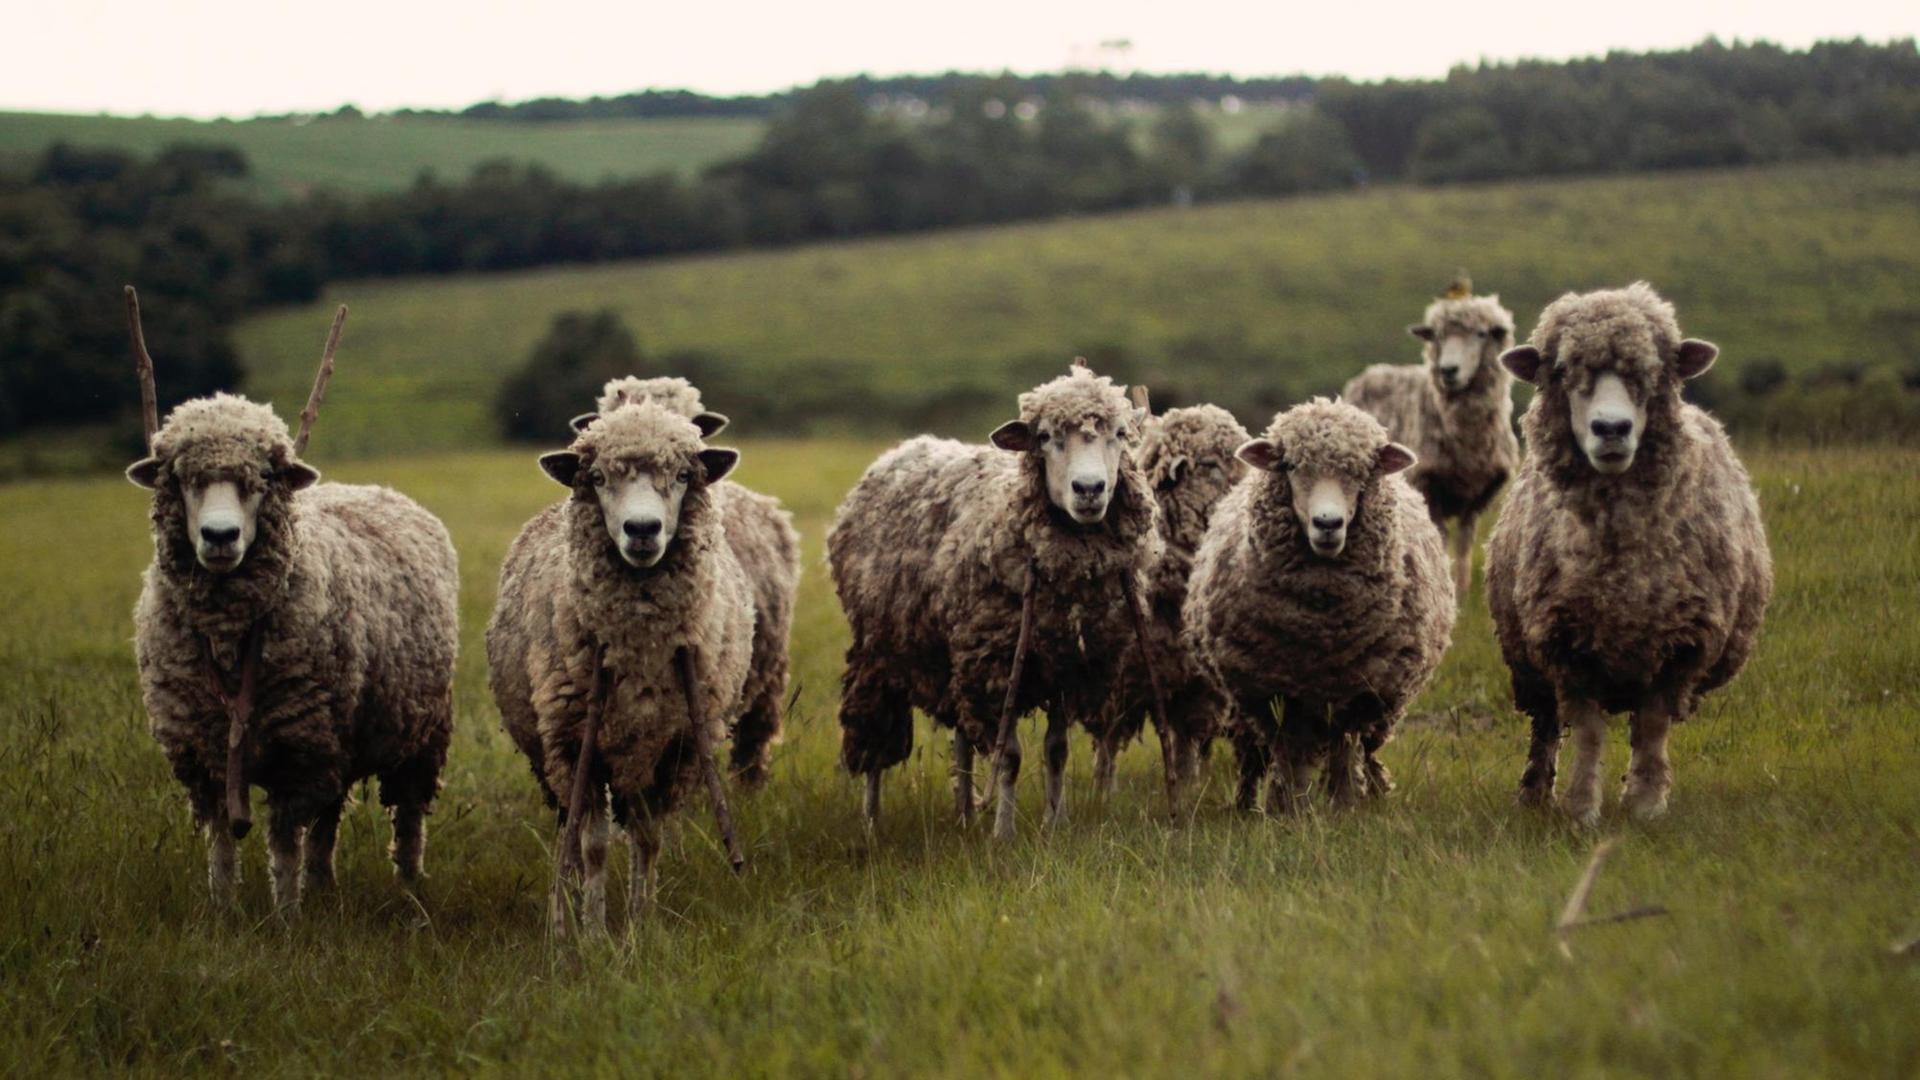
(1413, 937)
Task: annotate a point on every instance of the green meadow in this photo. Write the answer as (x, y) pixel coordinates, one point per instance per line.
(294, 157)
(1414, 937)
(1252, 305)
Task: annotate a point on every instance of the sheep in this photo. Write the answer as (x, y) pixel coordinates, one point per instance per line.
(1628, 570)
(1189, 459)
(619, 647)
(763, 539)
(1455, 411)
(1321, 581)
(982, 582)
(290, 634)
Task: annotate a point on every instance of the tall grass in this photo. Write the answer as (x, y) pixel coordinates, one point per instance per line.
(1409, 938)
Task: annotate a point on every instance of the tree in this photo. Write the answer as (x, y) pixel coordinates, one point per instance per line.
(560, 380)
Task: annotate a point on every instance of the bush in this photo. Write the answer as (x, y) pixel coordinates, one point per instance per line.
(581, 351)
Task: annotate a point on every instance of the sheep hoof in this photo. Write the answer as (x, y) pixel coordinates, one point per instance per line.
(1583, 812)
(1645, 803)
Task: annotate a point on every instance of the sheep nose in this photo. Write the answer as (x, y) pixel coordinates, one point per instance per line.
(641, 529)
(1449, 372)
(226, 534)
(1088, 489)
(1328, 522)
(1611, 429)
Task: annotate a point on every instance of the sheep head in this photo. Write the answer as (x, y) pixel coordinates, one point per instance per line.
(1327, 453)
(639, 465)
(1079, 427)
(1463, 335)
(218, 465)
(671, 392)
(1609, 366)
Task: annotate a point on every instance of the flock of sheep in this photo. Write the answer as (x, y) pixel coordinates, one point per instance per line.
(1289, 593)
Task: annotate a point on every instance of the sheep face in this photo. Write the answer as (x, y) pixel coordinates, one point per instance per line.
(1081, 427)
(1461, 335)
(223, 457)
(638, 465)
(1604, 362)
(1327, 453)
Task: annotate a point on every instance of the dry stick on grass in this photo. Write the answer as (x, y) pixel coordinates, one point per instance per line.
(1629, 915)
(1577, 899)
(703, 742)
(1138, 607)
(1008, 715)
(143, 367)
(320, 380)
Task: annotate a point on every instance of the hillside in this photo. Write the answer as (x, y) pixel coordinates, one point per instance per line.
(290, 157)
(1252, 304)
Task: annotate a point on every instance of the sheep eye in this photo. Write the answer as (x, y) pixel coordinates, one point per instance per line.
(266, 473)
(685, 477)
(596, 477)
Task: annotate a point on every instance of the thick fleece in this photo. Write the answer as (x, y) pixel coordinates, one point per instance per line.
(1188, 458)
(1463, 438)
(930, 553)
(761, 535)
(1638, 591)
(566, 596)
(1346, 641)
(354, 589)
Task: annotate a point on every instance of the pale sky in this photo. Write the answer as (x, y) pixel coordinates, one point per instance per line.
(241, 57)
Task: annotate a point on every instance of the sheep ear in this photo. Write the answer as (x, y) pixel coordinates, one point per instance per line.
(719, 461)
(1696, 357)
(1178, 468)
(1393, 458)
(299, 475)
(562, 465)
(1421, 330)
(1523, 361)
(583, 421)
(1261, 454)
(1014, 435)
(710, 423)
(145, 473)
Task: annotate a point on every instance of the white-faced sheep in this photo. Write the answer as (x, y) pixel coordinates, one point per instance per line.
(1629, 570)
(621, 643)
(289, 634)
(762, 537)
(982, 582)
(1455, 412)
(1323, 582)
(1188, 456)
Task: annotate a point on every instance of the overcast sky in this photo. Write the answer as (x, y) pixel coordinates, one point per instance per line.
(241, 57)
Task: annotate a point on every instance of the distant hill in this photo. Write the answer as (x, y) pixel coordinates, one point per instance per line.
(1803, 268)
(290, 157)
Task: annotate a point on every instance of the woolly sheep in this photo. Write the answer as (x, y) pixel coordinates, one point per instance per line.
(934, 554)
(340, 602)
(622, 602)
(1188, 456)
(1629, 570)
(762, 537)
(1455, 411)
(1321, 581)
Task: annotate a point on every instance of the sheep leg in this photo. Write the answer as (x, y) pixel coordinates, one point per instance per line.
(1462, 539)
(1056, 759)
(1589, 724)
(870, 803)
(223, 861)
(284, 834)
(560, 897)
(1650, 776)
(1298, 745)
(317, 853)
(1168, 737)
(593, 866)
(1006, 748)
(643, 884)
(1253, 740)
(1344, 785)
(703, 743)
(1378, 780)
(962, 776)
(1103, 766)
(1543, 753)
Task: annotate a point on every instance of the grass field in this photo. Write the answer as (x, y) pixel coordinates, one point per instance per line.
(291, 158)
(1250, 305)
(1412, 938)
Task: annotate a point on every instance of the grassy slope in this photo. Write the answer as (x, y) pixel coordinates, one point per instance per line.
(384, 154)
(1253, 303)
(1411, 938)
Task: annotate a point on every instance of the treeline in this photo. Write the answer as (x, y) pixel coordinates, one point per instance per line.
(839, 161)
